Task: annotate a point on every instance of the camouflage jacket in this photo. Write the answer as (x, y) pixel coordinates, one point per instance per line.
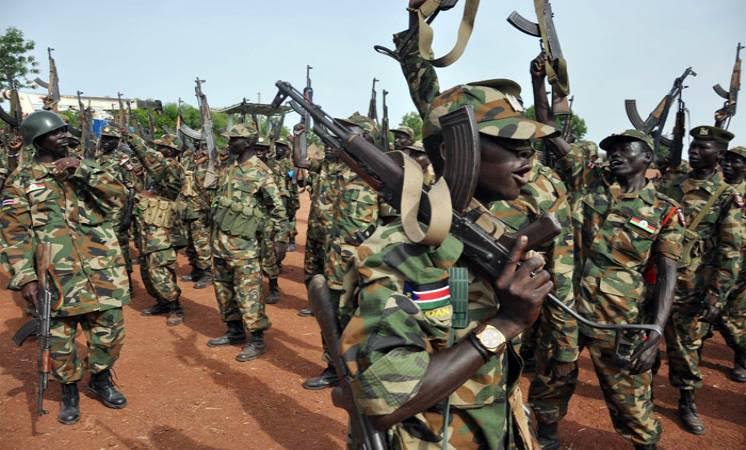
(620, 235)
(164, 176)
(388, 342)
(355, 210)
(238, 210)
(714, 259)
(194, 198)
(75, 215)
(546, 193)
(321, 215)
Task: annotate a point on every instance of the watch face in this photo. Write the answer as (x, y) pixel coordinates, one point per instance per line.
(491, 338)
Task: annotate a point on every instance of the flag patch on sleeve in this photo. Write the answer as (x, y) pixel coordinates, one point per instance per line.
(643, 225)
(429, 296)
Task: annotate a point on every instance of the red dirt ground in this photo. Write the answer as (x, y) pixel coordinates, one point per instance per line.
(185, 395)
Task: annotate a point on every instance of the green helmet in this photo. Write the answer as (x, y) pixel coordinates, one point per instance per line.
(38, 124)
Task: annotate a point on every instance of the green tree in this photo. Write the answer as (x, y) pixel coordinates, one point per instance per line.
(413, 121)
(15, 63)
(578, 128)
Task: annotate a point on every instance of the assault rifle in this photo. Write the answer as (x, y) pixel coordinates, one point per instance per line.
(385, 123)
(14, 119)
(656, 121)
(556, 66)
(207, 136)
(679, 130)
(724, 114)
(52, 100)
(306, 118)
(39, 325)
(124, 120)
(567, 126)
(84, 116)
(373, 104)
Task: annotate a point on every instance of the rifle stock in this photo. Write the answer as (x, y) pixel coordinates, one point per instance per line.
(43, 258)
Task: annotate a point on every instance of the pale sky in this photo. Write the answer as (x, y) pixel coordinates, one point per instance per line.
(615, 50)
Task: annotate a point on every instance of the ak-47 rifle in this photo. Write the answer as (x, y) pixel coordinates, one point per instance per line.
(84, 116)
(485, 252)
(124, 119)
(656, 121)
(724, 114)
(385, 123)
(52, 100)
(14, 118)
(373, 104)
(305, 117)
(679, 130)
(556, 65)
(567, 126)
(39, 325)
(207, 136)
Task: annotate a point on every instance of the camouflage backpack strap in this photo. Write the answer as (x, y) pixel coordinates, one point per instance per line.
(691, 237)
(429, 8)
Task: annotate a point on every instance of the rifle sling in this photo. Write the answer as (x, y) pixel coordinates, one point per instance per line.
(426, 32)
(705, 209)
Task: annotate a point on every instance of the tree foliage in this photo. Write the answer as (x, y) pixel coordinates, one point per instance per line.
(15, 63)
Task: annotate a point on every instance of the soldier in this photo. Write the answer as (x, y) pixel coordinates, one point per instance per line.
(403, 137)
(69, 203)
(156, 210)
(290, 174)
(10, 152)
(710, 261)
(732, 322)
(270, 262)
(237, 217)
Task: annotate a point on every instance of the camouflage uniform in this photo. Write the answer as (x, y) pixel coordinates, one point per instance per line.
(621, 234)
(195, 202)
(88, 269)
(289, 175)
(155, 211)
(238, 215)
(706, 274)
(556, 333)
(321, 215)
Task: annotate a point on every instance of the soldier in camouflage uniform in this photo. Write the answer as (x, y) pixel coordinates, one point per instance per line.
(247, 196)
(155, 211)
(290, 176)
(732, 321)
(710, 262)
(69, 203)
(270, 263)
(10, 149)
(409, 357)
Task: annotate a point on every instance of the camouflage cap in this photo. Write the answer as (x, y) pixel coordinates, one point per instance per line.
(740, 151)
(262, 141)
(282, 140)
(359, 120)
(497, 107)
(404, 130)
(167, 140)
(242, 130)
(110, 131)
(708, 133)
(627, 136)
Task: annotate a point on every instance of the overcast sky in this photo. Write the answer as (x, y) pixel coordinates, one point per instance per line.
(615, 50)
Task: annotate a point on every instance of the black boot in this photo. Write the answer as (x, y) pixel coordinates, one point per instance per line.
(158, 309)
(274, 292)
(194, 276)
(175, 314)
(253, 349)
(327, 379)
(688, 413)
(738, 374)
(234, 335)
(203, 281)
(70, 410)
(548, 436)
(102, 387)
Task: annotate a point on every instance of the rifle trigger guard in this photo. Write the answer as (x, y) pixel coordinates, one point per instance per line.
(386, 51)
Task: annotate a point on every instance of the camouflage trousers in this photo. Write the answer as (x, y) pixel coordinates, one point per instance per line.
(158, 271)
(627, 396)
(732, 324)
(104, 332)
(341, 277)
(179, 234)
(198, 249)
(549, 394)
(314, 258)
(238, 290)
(292, 206)
(684, 335)
(267, 256)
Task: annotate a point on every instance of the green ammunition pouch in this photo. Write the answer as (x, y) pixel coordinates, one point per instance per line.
(237, 219)
(156, 211)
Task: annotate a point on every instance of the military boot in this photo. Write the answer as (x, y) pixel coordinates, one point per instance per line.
(203, 281)
(688, 413)
(548, 436)
(274, 292)
(291, 246)
(738, 374)
(70, 410)
(102, 387)
(158, 309)
(175, 314)
(253, 349)
(327, 379)
(234, 335)
(194, 276)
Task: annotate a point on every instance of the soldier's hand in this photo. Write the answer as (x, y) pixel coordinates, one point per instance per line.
(711, 314)
(280, 249)
(538, 67)
(521, 289)
(65, 166)
(299, 129)
(644, 357)
(29, 291)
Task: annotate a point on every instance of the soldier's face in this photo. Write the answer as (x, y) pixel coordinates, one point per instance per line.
(238, 145)
(627, 159)
(734, 167)
(704, 154)
(54, 142)
(282, 151)
(504, 168)
(401, 140)
(109, 143)
(166, 151)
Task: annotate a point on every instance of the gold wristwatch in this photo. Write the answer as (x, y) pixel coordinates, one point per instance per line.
(490, 338)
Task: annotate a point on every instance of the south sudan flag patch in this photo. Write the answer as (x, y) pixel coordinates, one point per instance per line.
(643, 225)
(429, 296)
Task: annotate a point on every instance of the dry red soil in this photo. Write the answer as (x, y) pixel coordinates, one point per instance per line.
(183, 394)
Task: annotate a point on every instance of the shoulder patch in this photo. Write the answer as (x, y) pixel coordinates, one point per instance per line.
(33, 187)
(738, 200)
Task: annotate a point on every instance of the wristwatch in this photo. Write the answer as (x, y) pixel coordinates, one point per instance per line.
(490, 338)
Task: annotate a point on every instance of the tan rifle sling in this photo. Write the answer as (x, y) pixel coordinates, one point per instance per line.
(426, 32)
(691, 237)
